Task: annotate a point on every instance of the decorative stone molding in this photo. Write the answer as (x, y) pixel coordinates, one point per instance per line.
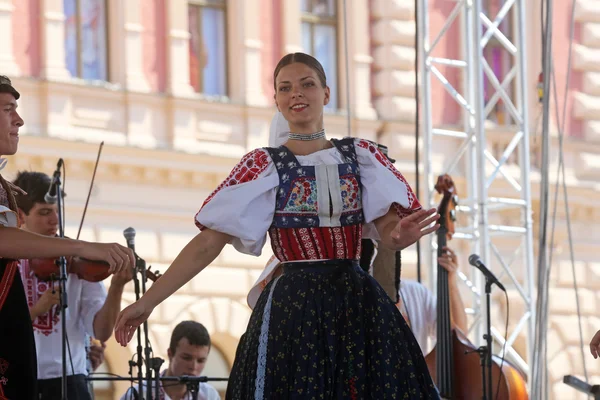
(178, 45)
(292, 31)
(134, 58)
(587, 11)
(245, 48)
(8, 65)
(53, 31)
(587, 60)
(360, 59)
(393, 32)
(591, 83)
(591, 35)
(397, 8)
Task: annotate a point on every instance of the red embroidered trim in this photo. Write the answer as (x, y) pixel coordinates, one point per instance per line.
(248, 169)
(290, 244)
(7, 280)
(413, 203)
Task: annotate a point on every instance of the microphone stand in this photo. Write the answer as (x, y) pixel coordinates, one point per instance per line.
(136, 284)
(485, 352)
(488, 385)
(192, 382)
(140, 266)
(129, 234)
(583, 387)
(156, 363)
(62, 264)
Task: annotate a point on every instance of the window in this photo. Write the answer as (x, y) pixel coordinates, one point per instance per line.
(500, 61)
(319, 39)
(85, 38)
(208, 46)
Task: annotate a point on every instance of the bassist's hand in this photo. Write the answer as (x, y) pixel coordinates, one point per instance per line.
(449, 261)
(595, 345)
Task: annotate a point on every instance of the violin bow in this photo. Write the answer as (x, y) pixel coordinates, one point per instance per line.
(87, 201)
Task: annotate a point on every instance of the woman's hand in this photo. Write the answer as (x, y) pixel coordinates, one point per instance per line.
(413, 227)
(129, 320)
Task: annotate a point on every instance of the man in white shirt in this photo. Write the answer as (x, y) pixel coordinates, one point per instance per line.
(418, 304)
(91, 311)
(188, 351)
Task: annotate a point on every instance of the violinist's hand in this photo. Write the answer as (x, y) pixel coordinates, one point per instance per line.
(122, 277)
(412, 228)
(96, 354)
(117, 256)
(129, 320)
(49, 299)
(595, 345)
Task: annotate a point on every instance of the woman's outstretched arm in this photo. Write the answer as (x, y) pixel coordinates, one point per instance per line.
(195, 256)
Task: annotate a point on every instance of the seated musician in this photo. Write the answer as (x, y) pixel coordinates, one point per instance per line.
(91, 311)
(188, 351)
(18, 370)
(418, 304)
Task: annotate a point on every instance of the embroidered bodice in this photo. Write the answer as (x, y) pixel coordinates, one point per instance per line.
(273, 191)
(318, 209)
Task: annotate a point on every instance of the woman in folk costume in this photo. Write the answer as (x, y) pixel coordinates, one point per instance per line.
(323, 328)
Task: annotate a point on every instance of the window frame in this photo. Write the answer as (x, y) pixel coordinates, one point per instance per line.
(221, 5)
(78, 41)
(314, 20)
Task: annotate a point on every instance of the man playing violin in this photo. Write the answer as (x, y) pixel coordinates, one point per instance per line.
(418, 304)
(90, 309)
(18, 371)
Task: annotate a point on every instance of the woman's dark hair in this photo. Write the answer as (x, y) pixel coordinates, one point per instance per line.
(193, 331)
(366, 254)
(303, 58)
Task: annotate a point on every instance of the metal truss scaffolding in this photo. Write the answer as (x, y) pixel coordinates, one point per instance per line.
(482, 216)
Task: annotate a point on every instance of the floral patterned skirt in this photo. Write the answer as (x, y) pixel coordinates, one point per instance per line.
(327, 330)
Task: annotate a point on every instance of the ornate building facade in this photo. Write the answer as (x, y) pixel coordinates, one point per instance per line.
(180, 90)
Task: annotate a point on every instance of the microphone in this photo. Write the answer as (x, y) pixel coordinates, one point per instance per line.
(129, 234)
(475, 261)
(50, 197)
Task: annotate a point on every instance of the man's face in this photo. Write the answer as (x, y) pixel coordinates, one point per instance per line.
(10, 122)
(42, 219)
(187, 359)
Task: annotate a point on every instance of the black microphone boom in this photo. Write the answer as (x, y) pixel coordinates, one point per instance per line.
(50, 197)
(475, 261)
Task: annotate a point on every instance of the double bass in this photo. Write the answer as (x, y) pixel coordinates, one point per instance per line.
(454, 363)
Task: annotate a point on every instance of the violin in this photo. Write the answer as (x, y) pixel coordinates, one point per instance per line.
(454, 363)
(47, 269)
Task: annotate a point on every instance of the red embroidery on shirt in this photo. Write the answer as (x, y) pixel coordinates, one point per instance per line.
(413, 203)
(34, 289)
(248, 169)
